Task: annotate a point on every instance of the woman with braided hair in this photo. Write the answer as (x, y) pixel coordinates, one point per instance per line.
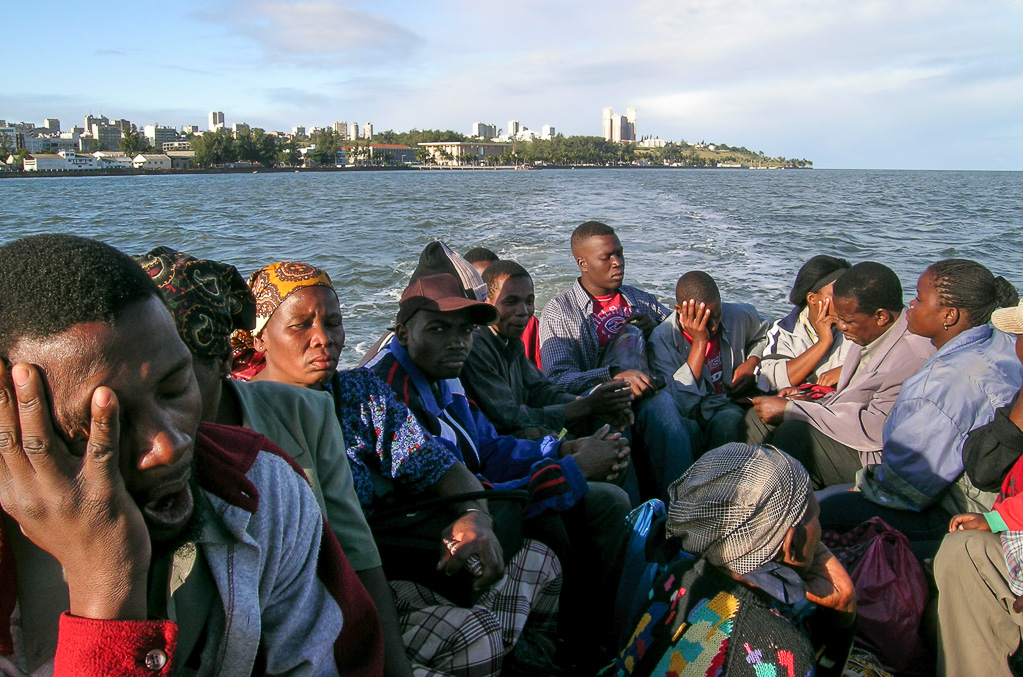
(920, 483)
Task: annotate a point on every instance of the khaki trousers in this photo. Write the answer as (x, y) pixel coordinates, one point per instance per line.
(977, 629)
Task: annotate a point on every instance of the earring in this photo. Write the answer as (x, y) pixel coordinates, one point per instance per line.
(945, 326)
(260, 348)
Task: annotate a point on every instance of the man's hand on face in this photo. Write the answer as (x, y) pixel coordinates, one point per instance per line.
(693, 318)
(473, 534)
(74, 507)
(770, 409)
(644, 322)
(601, 456)
(641, 384)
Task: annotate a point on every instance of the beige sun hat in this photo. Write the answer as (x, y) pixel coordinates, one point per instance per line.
(1009, 319)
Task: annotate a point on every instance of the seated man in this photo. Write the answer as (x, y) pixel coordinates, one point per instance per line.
(708, 352)
(841, 432)
(576, 327)
(481, 258)
(142, 541)
(509, 389)
(433, 337)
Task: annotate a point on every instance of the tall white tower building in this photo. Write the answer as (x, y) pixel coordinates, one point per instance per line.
(216, 120)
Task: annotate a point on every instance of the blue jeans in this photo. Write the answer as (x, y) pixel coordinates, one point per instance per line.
(665, 440)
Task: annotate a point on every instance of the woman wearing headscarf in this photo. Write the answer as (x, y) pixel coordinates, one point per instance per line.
(209, 300)
(746, 574)
(804, 346)
(297, 340)
(920, 484)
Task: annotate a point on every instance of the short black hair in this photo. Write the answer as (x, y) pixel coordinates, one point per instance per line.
(696, 285)
(820, 267)
(480, 254)
(972, 288)
(873, 285)
(588, 229)
(49, 283)
(497, 272)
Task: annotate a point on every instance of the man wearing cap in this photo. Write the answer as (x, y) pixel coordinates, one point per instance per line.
(433, 337)
(979, 568)
(744, 557)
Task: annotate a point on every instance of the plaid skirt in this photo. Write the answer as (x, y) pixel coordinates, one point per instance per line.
(443, 639)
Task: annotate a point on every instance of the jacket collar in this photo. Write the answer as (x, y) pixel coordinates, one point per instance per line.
(584, 301)
(434, 401)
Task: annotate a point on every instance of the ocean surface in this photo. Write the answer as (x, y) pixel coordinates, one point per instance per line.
(750, 229)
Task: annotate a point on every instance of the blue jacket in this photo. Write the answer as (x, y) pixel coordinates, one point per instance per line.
(503, 461)
(958, 389)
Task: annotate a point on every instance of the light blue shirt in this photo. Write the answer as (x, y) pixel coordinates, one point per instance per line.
(957, 390)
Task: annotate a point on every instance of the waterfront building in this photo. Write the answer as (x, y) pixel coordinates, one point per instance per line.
(653, 143)
(298, 131)
(482, 130)
(216, 120)
(455, 153)
(112, 161)
(45, 162)
(151, 161)
(367, 131)
(341, 129)
(52, 124)
(391, 154)
(10, 137)
(74, 160)
(513, 129)
(353, 130)
(181, 159)
(52, 143)
(123, 125)
(547, 132)
(238, 127)
(159, 135)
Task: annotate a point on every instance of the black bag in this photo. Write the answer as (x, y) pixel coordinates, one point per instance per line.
(409, 538)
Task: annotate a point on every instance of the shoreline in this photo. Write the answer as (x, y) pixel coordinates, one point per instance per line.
(306, 170)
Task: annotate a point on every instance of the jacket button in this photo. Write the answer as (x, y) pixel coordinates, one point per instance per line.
(156, 659)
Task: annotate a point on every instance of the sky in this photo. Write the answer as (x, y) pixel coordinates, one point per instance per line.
(900, 84)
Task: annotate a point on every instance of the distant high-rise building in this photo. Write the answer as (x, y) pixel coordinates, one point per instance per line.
(353, 130)
(513, 128)
(159, 135)
(106, 136)
(341, 129)
(188, 130)
(52, 124)
(216, 120)
(239, 127)
(367, 131)
(298, 131)
(619, 127)
(91, 120)
(483, 130)
(547, 131)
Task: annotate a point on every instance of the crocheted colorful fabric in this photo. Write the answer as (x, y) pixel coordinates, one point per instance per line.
(700, 622)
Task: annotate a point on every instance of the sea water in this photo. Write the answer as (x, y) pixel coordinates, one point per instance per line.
(750, 229)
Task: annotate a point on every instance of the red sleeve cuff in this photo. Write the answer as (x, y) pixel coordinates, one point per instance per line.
(93, 648)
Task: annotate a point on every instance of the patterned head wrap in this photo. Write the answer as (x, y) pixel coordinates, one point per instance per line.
(208, 299)
(736, 503)
(271, 285)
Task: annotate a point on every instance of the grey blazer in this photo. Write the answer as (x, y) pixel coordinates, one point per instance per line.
(855, 413)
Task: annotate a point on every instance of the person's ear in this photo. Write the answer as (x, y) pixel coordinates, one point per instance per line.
(811, 299)
(401, 333)
(785, 554)
(883, 317)
(951, 317)
(581, 262)
(259, 344)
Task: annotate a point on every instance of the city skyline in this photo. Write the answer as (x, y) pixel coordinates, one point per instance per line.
(916, 84)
